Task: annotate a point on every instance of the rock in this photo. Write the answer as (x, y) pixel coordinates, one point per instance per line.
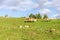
(26, 26)
(21, 26)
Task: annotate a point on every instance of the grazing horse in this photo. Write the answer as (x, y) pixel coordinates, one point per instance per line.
(30, 20)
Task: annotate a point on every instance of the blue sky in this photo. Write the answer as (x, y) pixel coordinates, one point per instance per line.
(19, 8)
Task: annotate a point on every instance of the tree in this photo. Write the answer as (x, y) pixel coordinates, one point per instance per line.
(32, 16)
(6, 16)
(38, 16)
(45, 16)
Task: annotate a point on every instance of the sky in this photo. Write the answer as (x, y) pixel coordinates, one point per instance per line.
(20, 8)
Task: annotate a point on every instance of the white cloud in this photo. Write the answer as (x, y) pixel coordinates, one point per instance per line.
(56, 4)
(24, 5)
(48, 3)
(21, 5)
(45, 11)
(52, 3)
(56, 16)
(58, 8)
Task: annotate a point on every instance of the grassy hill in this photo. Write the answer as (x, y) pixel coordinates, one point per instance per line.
(39, 30)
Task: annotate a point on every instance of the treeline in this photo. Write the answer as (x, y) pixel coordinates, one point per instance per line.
(38, 16)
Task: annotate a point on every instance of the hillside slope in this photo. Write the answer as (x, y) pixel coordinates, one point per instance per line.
(15, 29)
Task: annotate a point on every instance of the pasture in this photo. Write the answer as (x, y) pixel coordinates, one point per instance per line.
(17, 29)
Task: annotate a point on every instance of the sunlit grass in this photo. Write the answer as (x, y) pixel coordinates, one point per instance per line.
(39, 30)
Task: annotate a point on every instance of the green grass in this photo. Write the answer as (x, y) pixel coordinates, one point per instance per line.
(9, 29)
